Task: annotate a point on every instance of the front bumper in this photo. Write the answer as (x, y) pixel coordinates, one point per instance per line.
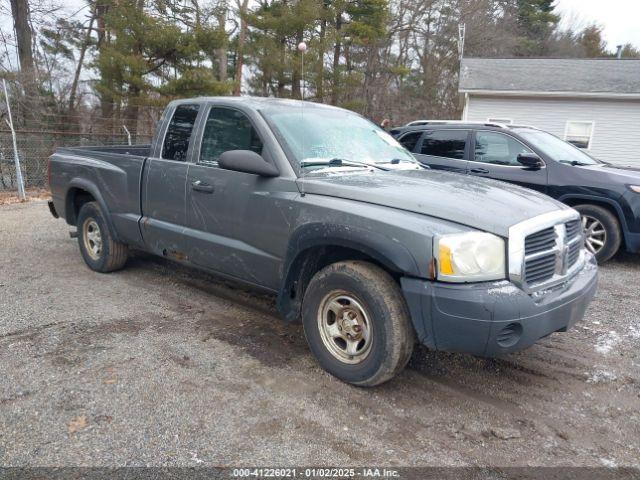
(490, 319)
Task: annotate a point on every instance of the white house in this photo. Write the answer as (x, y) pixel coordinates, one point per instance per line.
(592, 103)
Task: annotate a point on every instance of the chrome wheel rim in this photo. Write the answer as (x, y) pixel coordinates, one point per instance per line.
(92, 238)
(345, 328)
(595, 235)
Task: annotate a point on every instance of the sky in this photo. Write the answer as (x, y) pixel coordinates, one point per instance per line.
(620, 19)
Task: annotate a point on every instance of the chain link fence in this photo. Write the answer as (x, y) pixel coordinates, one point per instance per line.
(41, 127)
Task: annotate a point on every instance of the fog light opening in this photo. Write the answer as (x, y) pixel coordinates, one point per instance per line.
(509, 335)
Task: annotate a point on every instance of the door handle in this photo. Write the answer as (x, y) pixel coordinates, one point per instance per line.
(200, 186)
(479, 170)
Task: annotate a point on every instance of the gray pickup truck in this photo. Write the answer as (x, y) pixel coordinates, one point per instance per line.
(314, 203)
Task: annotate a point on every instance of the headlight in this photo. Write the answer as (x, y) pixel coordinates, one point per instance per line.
(635, 188)
(470, 257)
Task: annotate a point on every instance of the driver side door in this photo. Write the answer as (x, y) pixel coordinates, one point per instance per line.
(230, 218)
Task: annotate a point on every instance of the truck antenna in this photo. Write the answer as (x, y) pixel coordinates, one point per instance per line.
(302, 48)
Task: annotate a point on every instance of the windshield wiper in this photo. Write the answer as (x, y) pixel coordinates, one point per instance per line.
(339, 162)
(575, 163)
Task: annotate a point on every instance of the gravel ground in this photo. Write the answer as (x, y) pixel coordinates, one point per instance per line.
(163, 365)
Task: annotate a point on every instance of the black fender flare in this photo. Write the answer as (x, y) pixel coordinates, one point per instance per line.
(596, 200)
(90, 187)
(394, 256)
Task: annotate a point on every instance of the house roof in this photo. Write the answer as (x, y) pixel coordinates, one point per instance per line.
(555, 76)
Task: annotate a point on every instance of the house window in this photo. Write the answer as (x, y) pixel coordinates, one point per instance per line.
(506, 121)
(579, 134)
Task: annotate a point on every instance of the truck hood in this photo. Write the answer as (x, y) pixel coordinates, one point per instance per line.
(484, 204)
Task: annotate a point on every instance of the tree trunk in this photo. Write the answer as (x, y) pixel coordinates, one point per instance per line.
(242, 36)
(83, 50)
(106, 100)
(281, 82)
(320, 73)
(21, 25)
(221, 53)
(296, 77)
(336, 60)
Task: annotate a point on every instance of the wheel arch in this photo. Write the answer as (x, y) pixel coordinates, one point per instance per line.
(82, 191)
(612, 206)
(315, 246)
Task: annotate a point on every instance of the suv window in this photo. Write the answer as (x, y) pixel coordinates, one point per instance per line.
(499, 149)
(410, 140)
(445, 143)
(176, 141)
(227, 129)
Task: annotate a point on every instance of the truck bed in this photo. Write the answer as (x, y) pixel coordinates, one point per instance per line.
(111, 174)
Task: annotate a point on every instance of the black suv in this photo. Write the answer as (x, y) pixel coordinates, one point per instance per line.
(607, 197)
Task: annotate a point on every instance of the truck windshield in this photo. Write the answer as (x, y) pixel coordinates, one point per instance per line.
(556, 149)
(327, 138)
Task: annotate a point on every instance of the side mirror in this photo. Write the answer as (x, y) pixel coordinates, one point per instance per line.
(530, 160)
(248, 162)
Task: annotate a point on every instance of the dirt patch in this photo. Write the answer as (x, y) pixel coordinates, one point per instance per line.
(159, 364)
(33, 194)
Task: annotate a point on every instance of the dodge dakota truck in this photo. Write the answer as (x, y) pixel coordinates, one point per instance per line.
(370, 251)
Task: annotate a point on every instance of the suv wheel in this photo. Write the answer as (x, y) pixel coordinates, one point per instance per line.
(98, 248)
(601, 231)
(357, 323)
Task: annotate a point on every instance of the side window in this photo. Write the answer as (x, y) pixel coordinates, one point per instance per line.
(410, 140)
(445, 143)
(499, 149)
(176, 141)
(225, 130)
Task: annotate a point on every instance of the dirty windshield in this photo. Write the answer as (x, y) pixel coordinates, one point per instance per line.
(321, 138)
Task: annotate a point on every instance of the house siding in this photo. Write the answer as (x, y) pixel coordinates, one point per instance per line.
(616, 131)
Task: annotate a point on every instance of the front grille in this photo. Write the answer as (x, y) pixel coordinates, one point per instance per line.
(551, 251)
(540, 269)
(574, 253)
(540, 241)
(545, 251)
(573, 228)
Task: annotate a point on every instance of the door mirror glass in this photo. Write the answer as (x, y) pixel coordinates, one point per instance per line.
(248, 162)
(530, 160)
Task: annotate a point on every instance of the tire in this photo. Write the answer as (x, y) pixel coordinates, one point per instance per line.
(594, 217)
(100, 252)
(357, 298)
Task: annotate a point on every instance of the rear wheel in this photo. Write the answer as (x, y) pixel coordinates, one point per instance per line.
(601, 231)
(357, 323)
(100, 251)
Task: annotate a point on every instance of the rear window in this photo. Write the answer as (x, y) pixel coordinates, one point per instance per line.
(445, 143)
(176, 141)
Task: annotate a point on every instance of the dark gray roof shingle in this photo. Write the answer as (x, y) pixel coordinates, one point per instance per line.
(606, 76)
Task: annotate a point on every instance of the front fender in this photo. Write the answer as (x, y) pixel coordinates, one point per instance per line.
(299, 266)
(620, 214)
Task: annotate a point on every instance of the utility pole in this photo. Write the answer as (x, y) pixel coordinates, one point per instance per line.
(16, 159)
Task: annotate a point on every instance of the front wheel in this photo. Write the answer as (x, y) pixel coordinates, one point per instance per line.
(602, 232)
(357, 323)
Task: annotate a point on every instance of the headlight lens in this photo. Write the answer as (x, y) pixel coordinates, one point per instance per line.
(635, 188)
(470, 257)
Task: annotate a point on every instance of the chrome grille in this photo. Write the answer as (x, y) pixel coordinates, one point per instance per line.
(540, 269)
(545, 250)
(540, 241)
(575, 241)
(573, 228)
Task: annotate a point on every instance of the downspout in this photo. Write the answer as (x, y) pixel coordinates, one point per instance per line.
(465, 110)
